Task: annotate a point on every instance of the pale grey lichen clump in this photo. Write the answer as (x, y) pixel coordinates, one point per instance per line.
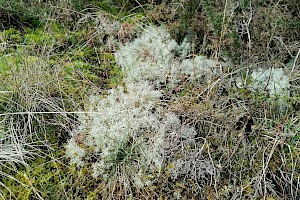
(149, 57)
(275, 81)
(112, 121)
(129, 127)
(152, 57)
(200, 68)
(123, 121)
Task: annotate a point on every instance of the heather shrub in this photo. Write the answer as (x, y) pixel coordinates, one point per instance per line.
(21, 14)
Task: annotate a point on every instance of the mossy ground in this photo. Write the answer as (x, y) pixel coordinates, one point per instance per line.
(52, 60)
